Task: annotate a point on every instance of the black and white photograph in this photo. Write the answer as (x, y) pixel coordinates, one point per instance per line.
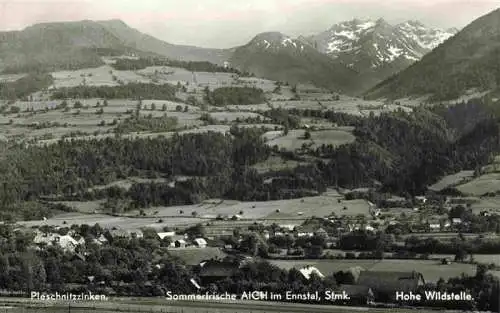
(249, 156)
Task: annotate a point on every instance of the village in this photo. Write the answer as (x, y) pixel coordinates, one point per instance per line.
(370, 255)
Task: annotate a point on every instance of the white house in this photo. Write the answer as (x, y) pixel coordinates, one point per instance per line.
(309, 270)
(66, 242)
(289, 227)
(456, 221)
(226, 64)
(100, 240)
(200, 243)
(126, 233)
(434, 226)
(421, 199)
(369, 228)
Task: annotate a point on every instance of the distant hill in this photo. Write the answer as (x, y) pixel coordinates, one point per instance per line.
(276, 56)
(74, 45)
(468, 60)
(376, 48)
(143, 42)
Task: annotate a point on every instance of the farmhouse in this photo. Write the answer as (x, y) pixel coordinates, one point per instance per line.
(359, 295)
(456, 221)
(66, 242)
(180, 243)
(321, 233)
(213, 271)
(166, 234)
(121, 233)
(308, 271)
(421, 199)
(200, 243)
(385, 284)
(434, 227)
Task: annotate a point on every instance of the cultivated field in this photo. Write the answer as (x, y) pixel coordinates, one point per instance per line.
(106, 221)
(451, 180)
(481, 185)
(432, 270)
(150, 305)
(295, 139)
(233, 116)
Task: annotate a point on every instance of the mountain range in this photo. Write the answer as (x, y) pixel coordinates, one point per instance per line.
(350, 57)
(377, 49)
(469, 61)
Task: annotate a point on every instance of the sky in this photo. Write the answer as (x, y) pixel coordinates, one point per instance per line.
(229, 23)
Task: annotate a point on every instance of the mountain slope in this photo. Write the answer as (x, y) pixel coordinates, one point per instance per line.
(140, 41)
(73, 45)
(50, 46)
(276, 56)
(469, 60)
(377, 49)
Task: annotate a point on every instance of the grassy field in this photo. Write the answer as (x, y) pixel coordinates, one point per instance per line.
(431, 270)
(451, 180)
(481, 185)
(109, 222)
(232, 116)
(294, 140)
(293, 211)
(331, 137)
(150, 305)
(481, 258)
(275, 163)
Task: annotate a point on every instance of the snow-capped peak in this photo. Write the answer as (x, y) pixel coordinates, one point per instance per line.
(276, 40)
(377, 42)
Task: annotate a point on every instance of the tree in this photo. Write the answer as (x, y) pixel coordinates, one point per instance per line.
(307, 135)
(15, 110)
(153, 106)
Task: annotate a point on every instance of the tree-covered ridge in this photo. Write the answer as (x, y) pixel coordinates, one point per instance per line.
(128, 91)
(127, 64)
(149, 124)
(25, 86)
(234, 96)
(65, 59)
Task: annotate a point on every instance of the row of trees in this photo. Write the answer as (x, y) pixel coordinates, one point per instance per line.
(128, 91)
(234, 96)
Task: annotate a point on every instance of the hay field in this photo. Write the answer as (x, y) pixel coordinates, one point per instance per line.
(232, 116)
(295, 138)
(331, 137)
(481, 258)
(106, 221)
(432, 270)
(483, 184)
(275, 163)
(318, 206)
(490, 204)
(451, 180)
(250, 107)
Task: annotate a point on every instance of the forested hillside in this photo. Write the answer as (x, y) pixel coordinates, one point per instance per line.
(470, 59)
(426, 147)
